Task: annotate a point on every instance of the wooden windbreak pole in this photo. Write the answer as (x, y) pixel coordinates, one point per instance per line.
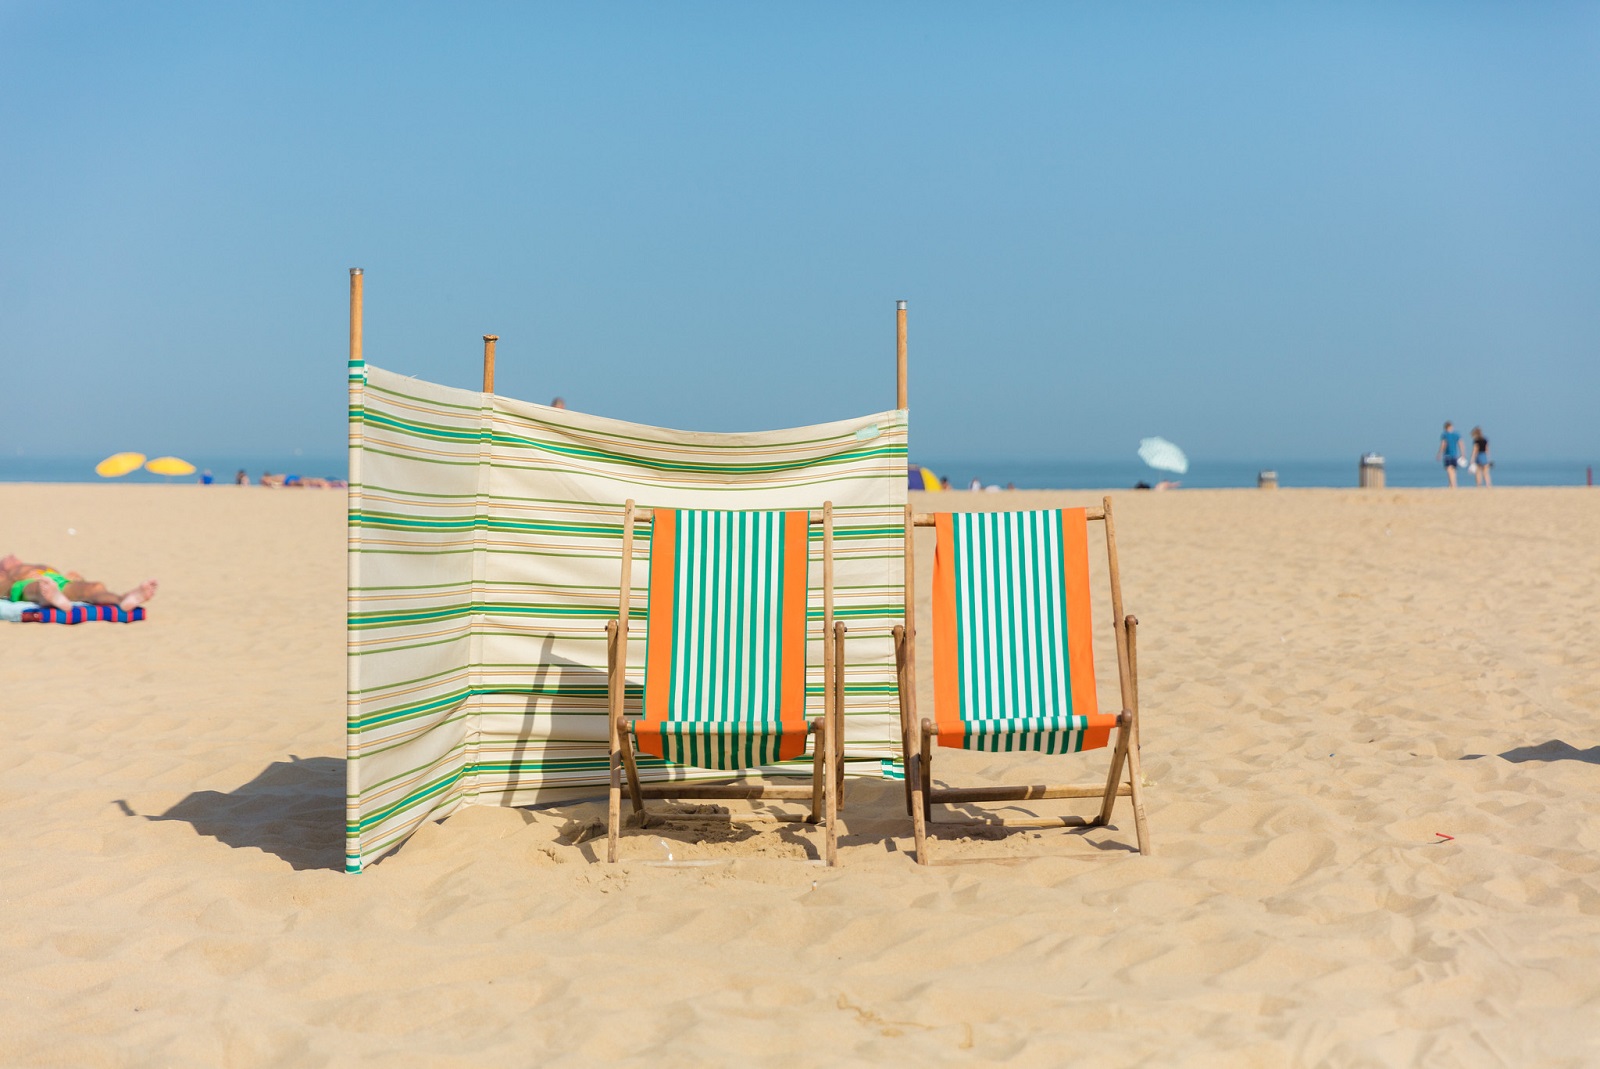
(900, 354)
(355, 314)
(908, 730)
(488, 361)
(352, 497)
(833, 702)
(908, 677)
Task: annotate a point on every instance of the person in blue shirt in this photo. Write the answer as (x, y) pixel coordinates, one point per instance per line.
(1449, 451)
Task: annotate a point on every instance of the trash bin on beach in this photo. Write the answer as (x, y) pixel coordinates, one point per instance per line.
(1267, 480)
(1371, 471)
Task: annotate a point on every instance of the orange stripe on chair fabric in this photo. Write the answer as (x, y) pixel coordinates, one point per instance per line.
(792, 693)
(946, 658)
(1080, 621)
(658, 641)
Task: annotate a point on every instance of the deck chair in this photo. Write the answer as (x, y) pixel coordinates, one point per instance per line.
(725, 660)
(1014, 662)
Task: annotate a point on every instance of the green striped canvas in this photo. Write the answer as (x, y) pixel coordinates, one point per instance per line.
(725, 661)
(1013, 649)
(485, 545)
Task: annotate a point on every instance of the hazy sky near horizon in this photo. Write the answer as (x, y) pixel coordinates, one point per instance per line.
(1265, 231)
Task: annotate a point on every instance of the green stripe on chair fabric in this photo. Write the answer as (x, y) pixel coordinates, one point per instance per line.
(1011, 620)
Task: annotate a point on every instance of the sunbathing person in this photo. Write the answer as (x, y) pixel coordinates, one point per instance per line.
(45, 585)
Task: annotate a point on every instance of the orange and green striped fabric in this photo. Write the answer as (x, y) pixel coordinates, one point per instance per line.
(725, 671)
(1012, 639)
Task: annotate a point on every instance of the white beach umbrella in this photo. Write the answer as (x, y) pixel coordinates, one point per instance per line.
(1162, 454)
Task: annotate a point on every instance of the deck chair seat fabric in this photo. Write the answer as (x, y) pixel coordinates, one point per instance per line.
(1013, 640)
(1044, 734)
(725, 668)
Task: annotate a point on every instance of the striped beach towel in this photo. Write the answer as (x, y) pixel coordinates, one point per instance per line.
(1013, 649)
(81, 613)
(725, 667)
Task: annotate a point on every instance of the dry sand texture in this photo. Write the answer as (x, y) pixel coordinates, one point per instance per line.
(1330, 678)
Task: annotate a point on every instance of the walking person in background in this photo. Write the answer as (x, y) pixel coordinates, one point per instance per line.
(1449, 451)
(1480, 462)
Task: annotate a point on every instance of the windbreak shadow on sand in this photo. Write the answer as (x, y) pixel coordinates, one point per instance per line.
(1554, 750)
(293, 809)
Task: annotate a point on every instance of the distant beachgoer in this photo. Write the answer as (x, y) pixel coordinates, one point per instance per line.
(44, 585)
(559, 402)
(976, 484)
(206, 478)
(1449, 452)
(944, 482)
(269, 479)
(1164, 484)
(1480, 462)
(241, 479)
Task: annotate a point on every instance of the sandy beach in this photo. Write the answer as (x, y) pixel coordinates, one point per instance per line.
(1332, 682)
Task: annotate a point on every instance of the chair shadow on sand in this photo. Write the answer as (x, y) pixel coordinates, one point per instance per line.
(293, 809)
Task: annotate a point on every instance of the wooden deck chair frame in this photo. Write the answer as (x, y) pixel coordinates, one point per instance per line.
(920, 737)
(825, 732)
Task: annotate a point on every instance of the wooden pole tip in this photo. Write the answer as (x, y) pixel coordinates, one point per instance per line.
(355, 270)
(491, 337)
(901, 305)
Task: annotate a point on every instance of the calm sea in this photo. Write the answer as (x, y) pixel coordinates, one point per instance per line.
(1211, 474)
(1026, 474)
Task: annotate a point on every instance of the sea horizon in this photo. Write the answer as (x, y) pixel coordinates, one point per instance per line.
(1216, 474)
(1023, 473)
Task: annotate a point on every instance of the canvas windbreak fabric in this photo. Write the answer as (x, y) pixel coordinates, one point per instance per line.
(485, 552)
(1013, 650)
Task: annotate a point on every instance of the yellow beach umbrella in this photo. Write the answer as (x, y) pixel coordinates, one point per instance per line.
(169, 466)
(119, 464)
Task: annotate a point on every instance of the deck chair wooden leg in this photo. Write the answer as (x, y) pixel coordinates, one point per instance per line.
(614, 808)
(919, 825)
(1114, 776)
(1130, 627)
(819, 769)
(830, 799)
(1136, 790)
(837, 729)
(630, 764)
(922, 802)
(925, 773)
(1130, 624)
(614, 709)
(902, 676)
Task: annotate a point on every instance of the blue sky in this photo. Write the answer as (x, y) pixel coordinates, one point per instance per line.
(1265, 231)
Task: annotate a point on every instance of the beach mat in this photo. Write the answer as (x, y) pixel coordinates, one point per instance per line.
(25, 612)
